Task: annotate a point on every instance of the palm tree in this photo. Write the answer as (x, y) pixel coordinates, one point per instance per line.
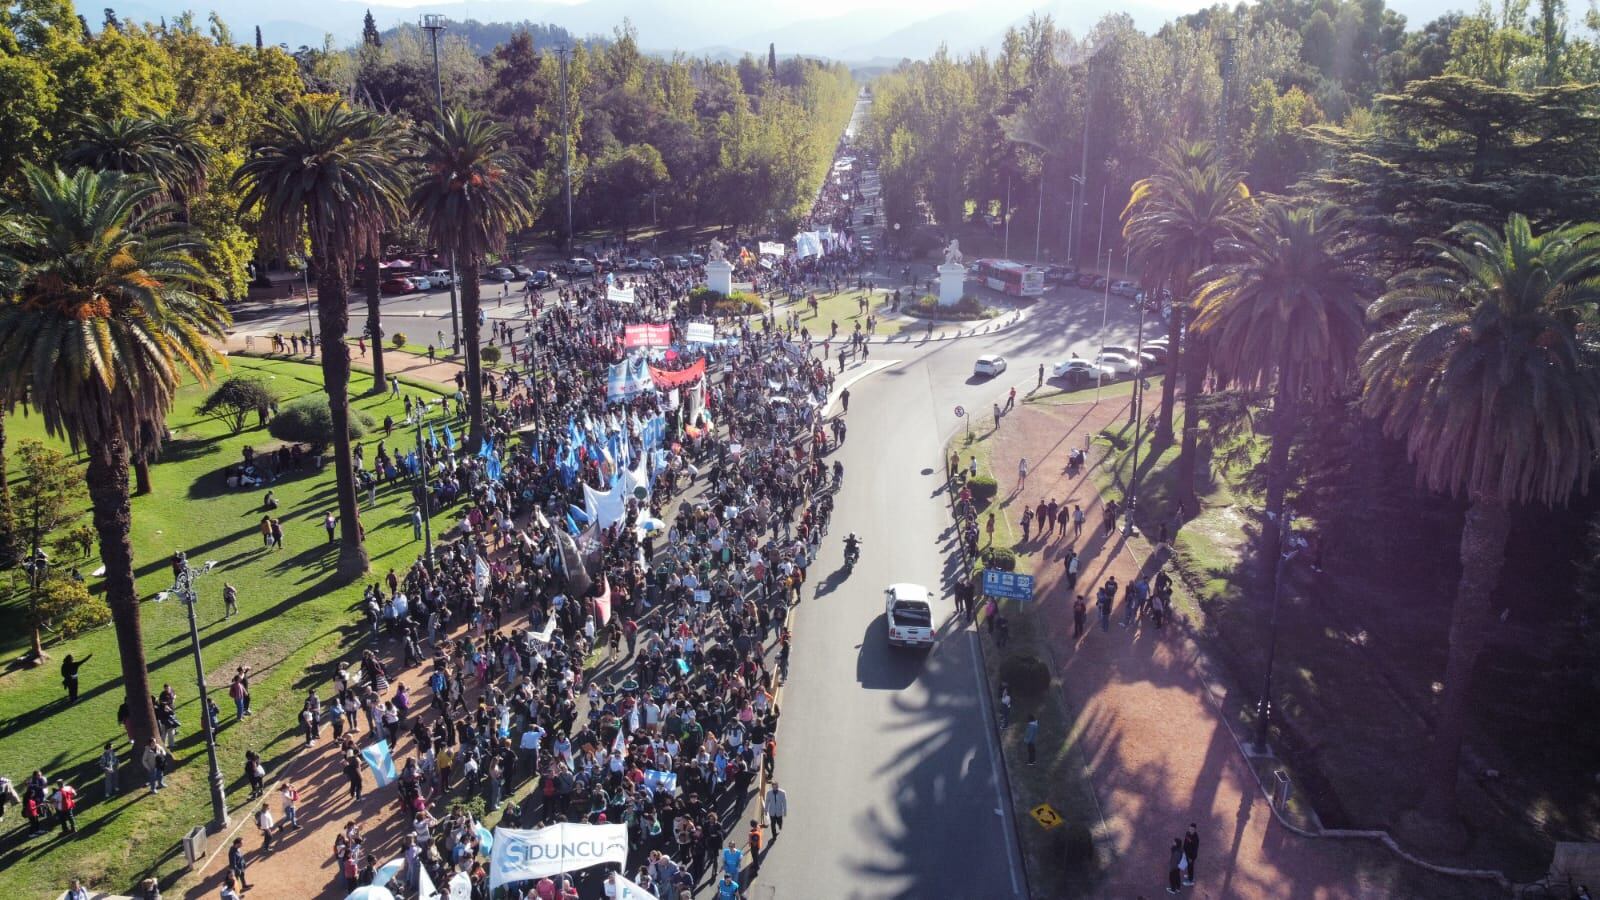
(370, 286)
(109, 310)
(1285, 309)
(171, 152)
(331, 169)
(1482, 368)
(1173, 223)
(472, 191)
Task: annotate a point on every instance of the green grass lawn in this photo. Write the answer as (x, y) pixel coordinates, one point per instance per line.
(844, 308)
(294, 619)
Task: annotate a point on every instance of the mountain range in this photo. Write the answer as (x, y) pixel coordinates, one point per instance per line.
(865, 34)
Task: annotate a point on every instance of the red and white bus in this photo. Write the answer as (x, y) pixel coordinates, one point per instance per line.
(1012, 278)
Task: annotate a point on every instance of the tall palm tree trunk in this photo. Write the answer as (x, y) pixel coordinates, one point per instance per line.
(333, 315)
(1483, 553)
(107, 478)
(8, 533)
(1169, 384)
(1196, 359)
(369, 283)
(469, 333)
(141, 476)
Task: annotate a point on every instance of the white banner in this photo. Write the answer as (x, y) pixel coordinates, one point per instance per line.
(771, 248)
(619, 295)
(623, 889)
(526, 854)
(700, 333)
(461, 886)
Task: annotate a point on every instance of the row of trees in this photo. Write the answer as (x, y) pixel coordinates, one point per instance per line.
(1480, 357)
(1330, 95)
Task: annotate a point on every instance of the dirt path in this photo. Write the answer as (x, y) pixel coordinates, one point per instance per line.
(1160, 755)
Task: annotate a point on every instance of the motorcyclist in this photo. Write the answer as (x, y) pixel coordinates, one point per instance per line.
(852, 547)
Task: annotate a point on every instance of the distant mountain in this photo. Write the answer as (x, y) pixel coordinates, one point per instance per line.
(893, 29)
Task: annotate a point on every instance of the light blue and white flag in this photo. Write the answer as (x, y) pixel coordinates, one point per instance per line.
(381, 760)
(660, 781)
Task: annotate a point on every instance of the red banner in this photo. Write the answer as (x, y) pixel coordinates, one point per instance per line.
(635, 336)
(667, 379)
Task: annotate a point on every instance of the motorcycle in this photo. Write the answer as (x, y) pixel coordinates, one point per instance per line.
(851, 555)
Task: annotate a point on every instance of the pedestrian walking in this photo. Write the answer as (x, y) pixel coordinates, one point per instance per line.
(1030, 736)
(777, 807)
(1077, 520)
(1175, 863)
(1041, 377)
(330, 523)
(155, 760)
(1080, 612)
(65, 801)
(416, 524)
(1071, 563)
(236, 862)
(1022, 473)
(69, 676)
(265, 823)
(1191, 849)
(754, 838)
(230, 601)
(277, 533)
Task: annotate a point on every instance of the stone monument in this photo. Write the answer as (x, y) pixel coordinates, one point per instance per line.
(952, 276)
(719, 272)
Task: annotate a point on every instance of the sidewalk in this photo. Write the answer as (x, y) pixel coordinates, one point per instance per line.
(1161, 755)
(441, 372)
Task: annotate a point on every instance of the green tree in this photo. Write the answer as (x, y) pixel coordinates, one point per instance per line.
(110, 311)
(49, 497)
(1174, 220)
(1482, 368)
(625, 176)
(1284, 309)
(236, 398)
(354, 186)
(472, 192)
(369, 32)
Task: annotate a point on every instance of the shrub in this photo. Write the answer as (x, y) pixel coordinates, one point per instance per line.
(1025, 674)
(703, 301)
(490, 354)
(1002, 558)
(68, 607)
(968, 308)
(238, 397)
(399, 340)
(308, 421)
(983, 488)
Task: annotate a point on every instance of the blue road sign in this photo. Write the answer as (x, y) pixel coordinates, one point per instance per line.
(1008, 585)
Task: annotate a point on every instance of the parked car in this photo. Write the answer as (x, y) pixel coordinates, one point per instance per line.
(675, 262)
(580, 266)
(540, 279)
(422, 282)
(1124, 288)
(1086, 279)
(1078, 370)
(629, 264)
(908, 615)
(1057, 274)
(1157, 352)
(398, 286)
(989, 365)
(441, 278)
(1117, 363)
(500, 274)
(652, 264)
(522, 272)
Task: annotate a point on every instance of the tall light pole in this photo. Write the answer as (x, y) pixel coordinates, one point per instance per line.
(1083, 163)
(1264, 706)
(1138, 415)
(1007, 212)
(1105, 302)
(1038, 226)
(566, 139)
(183, 587)
(422, 497)
(1071, 215)
(433, 23)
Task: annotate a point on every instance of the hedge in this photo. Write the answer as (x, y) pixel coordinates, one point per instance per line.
(307, 420)
(967, 309)
(983, 488)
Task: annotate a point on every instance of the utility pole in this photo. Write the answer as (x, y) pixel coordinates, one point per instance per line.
(1038, 227)
(183, 586)
(1105, 302)
(1071, 214)
(562, 53)
(433, 23)
(1083, 164)
(1007, 212)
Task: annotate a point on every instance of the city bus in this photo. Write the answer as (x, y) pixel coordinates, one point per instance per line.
(1012, 278)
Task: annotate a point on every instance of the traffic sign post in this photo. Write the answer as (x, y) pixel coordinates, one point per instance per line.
(1007, 585)
(1046, 816)
(961, 413)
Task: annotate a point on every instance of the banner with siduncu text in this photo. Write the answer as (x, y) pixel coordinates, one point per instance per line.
(525, 854)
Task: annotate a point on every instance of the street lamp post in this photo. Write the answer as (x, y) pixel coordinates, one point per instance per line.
(1105, 302)
(184, 588)
(1071, 215)
(1264, 707)
(1007, 213)
(422, 497)
(433, 23)
(1138, 418)
(1038, 226)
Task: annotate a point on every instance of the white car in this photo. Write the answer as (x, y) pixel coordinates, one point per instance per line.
(909, 615)
(990, 365)
(1077, 369)
(441, 278)
(1117, 364)
(423, 282)
(1124, 288)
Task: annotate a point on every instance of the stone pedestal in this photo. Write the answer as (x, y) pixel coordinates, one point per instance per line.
(719, 276)
(952, 282)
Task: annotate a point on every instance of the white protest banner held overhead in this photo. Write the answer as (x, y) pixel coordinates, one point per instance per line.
(619, 295)
(525, 854)
(627, 890)
(700, 333)
(771, 248)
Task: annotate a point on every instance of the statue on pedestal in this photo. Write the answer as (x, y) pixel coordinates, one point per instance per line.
(715, 251)
(952, 254)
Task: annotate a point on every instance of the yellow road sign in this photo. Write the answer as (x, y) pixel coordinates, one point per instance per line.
(1046, 816)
